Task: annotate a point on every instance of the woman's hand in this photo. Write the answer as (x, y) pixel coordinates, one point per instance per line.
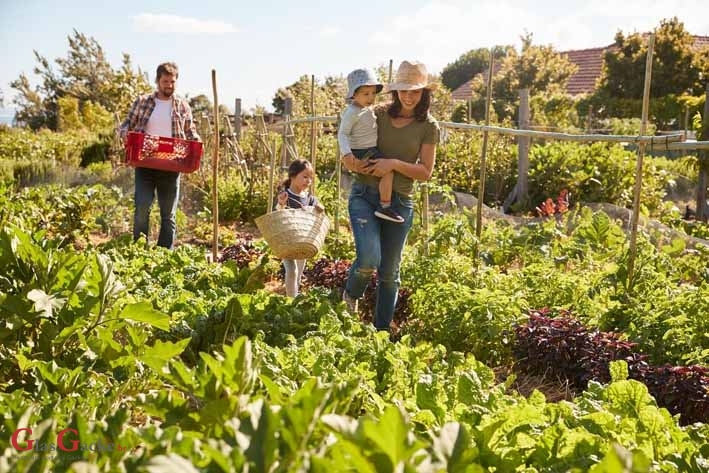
(380, 167)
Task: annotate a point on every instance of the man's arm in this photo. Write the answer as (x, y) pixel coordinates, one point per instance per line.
(190, 126)
(130, 121)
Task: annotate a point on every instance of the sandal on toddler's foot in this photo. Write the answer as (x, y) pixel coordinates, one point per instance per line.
(387, 213)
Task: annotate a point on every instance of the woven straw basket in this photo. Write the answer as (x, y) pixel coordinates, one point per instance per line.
(294, 233)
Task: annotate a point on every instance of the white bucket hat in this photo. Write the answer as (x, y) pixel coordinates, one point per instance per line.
(411, 75)
(360, 77)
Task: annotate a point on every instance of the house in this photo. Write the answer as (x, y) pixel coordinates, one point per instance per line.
(583, 81)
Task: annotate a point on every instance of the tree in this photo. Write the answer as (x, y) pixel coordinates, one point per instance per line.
(678, 72)
(85, 75)
(676, 66)
(541, 69)
(329, 96)
(201, 105)
(470, 64)
(33, 110)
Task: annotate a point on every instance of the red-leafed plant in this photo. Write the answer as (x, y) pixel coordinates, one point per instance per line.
(562, 347)
(550, 207)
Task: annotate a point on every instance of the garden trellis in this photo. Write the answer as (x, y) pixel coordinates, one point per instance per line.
(669, 142)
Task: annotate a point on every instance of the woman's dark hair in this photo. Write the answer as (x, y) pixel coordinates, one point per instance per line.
(166, 69)
(421, 110)
(296, 167)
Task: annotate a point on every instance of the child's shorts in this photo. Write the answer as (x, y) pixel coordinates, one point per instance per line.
(367, 153)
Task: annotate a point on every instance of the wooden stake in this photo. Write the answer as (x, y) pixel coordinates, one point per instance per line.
(702, 213)
(483, 157)
(338, 177)
(271, 174)
(639, 162)
(215, 168)
(313, 135)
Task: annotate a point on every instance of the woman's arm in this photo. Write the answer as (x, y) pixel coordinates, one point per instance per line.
(420, 171)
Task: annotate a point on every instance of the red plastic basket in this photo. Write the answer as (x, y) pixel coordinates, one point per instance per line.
(163, 153)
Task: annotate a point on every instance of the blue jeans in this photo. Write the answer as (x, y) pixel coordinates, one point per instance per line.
(167, 185)
(378, 245)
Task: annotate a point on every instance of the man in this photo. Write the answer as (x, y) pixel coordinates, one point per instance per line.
(161, 113)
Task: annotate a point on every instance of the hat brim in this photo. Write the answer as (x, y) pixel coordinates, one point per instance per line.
(379, 86)
(405, 86)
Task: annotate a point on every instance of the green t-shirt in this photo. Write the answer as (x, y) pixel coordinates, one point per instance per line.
(403, 144)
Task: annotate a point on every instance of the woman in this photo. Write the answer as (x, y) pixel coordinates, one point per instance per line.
(407, 135)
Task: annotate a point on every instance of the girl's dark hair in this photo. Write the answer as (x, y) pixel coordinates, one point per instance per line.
(421, 110)
(296, 167)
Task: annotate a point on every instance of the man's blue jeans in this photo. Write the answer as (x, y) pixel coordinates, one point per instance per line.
(167, 185)
(378, 245)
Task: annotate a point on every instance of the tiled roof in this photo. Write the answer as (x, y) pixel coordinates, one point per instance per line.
(463, 92)
(583, 81)
(701, 42)
(590, 63)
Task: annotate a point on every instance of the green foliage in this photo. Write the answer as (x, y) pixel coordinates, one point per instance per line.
(674, 67)
(114, 343)
(677, 71)
(541, 69)
(470, 64)
(458, 164)
(329, 97)
(598, 172)
(238, 201)
(84, 77)
(464, 319)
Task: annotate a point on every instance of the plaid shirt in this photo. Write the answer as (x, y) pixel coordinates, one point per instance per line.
(182, 122)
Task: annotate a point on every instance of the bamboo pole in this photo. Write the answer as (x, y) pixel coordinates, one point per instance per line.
(702, 212)
(338, 178)
(271, 174)
(659, 143)
(287, 110)
(639, 163)
(483, 157)
(313, 135)
(215, 168)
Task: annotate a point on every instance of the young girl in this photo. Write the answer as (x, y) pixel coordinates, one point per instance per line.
(357, 134)
(295, 195)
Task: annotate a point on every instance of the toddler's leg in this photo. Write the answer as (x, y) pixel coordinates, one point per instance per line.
(385, 210)
(385, 184)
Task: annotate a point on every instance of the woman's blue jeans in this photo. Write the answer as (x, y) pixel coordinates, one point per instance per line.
(379, 245)
(167, 185)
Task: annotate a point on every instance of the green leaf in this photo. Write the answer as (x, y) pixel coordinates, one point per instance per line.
(45, 303)
(619, 370)
(454, 445)
(144, 312)
(170, 463)
(389, 434)
(159, 354)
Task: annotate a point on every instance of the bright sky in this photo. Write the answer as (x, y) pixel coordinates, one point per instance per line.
(258, 46)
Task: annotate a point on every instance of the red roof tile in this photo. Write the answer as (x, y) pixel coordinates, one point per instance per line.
(590, 63)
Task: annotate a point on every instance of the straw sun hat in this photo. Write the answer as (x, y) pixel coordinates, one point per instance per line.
(411, 76)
